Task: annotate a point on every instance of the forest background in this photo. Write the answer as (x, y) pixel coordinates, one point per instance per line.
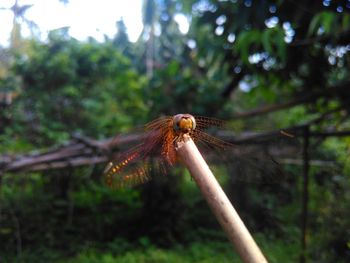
(260, 65)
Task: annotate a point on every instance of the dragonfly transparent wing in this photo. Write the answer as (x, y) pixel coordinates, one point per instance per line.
(206, 122)
(253, 162)
(127, 170)
(136, 166)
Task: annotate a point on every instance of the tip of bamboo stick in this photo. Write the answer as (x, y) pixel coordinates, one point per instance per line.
(182, 140)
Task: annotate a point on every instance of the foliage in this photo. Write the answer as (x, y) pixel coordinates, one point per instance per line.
(196, 252)
(329, 206)
(237, 56)
(114, 217)
(64, 78)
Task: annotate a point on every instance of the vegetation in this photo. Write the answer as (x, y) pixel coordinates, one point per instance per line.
(239, 59)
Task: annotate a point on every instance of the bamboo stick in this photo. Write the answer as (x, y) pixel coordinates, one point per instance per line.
(223, 210)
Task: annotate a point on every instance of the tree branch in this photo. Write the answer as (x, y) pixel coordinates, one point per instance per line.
(329, 93)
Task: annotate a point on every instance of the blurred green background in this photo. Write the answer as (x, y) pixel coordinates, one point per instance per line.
(236, 57)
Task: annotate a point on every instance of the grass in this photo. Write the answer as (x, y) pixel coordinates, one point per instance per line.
(201, 252)
(196, 252)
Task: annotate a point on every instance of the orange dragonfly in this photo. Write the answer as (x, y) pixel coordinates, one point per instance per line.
(161, 136)
(133, 167)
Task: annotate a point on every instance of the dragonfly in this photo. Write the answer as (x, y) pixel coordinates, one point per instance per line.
(134, 166)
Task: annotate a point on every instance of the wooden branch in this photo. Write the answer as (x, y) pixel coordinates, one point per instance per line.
(275, 107)
(84, 152)
(330, 92)
(73, 163)
(89, 152)
(330, 134)
(341, 37)
(64, 153)
(305, 195)
(299, 162)
(221, 206)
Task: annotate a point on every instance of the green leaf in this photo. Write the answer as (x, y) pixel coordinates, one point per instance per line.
(266, 40)
(314, 24)
(245, 41)
(272, 40)
(346, 22)
(325, 20)
(281, 45)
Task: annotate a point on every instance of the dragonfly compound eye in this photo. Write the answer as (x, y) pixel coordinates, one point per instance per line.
(184, 123)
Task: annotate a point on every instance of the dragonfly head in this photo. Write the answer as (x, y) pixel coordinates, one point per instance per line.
(184, 123)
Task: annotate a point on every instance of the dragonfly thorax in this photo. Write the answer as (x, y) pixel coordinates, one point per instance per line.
(184, 123)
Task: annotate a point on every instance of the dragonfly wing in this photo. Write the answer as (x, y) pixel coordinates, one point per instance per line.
(253, 169)
(206, 122)
(126, 170)
(130, 178)
(253, 163)
(159, 124)
(134, 173)
(135, 166)
(210, 141)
